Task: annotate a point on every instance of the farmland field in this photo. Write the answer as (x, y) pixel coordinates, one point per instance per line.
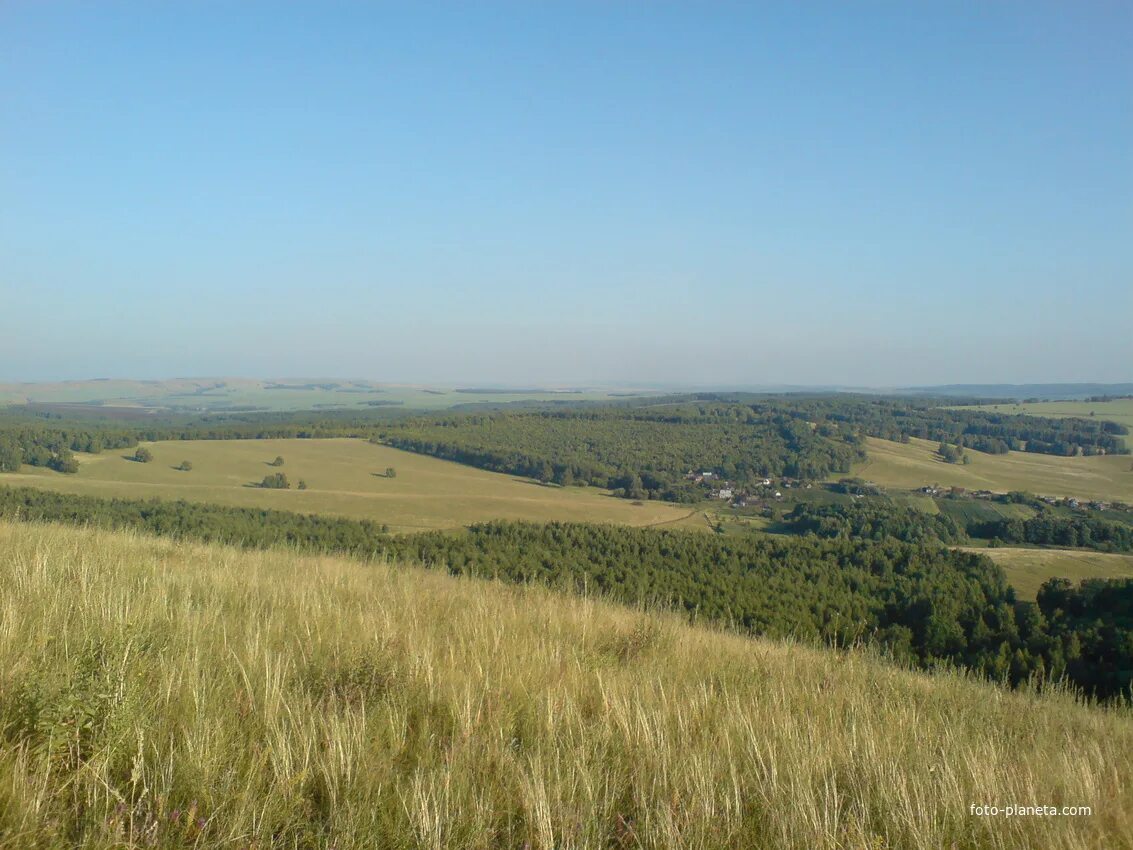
(241, 394)
(344, 477)
(915, 464)
(1027, 569)
(1119, 410)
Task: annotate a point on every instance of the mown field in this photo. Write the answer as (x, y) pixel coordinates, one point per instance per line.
(344, 477)
(915, 464)
(1027, 569)
(1119, 410)
(163, 694)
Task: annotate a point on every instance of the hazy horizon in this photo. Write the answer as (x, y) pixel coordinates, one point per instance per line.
(568, 195)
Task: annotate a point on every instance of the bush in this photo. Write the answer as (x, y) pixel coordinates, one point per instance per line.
(276, 481)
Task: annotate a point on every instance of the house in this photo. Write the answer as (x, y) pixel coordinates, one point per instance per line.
(778, 495)
(724, 493)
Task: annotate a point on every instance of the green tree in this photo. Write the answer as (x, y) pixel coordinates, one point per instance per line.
(143, 455)
(278, 461)
(275, 481)
(391, 472)
(302, 484)
(186, 466)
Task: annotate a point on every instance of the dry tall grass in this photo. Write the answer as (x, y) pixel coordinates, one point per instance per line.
(154, 693)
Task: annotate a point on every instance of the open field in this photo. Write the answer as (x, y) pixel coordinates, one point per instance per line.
(915, 464)
(344, 477)
(1120, 410)
(219, 394)
(1027, 569)
(155, 693)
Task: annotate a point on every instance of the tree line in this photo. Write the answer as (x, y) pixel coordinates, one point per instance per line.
(876, 519)
(926, 605)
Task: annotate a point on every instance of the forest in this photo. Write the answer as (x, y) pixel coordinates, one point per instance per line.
(878, 518)
(645, 449)
(641, 448)
(639, 452)
(925, 605)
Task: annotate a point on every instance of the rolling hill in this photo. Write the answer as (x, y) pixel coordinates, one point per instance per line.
(345, 477)
(157, 693)
(916, 464)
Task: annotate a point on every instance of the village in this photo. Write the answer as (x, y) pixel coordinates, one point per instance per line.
(762, 490)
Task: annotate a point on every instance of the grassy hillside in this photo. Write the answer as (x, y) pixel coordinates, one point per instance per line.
(155, 693)
(915, 464)
(1027, 569)
(344, 477)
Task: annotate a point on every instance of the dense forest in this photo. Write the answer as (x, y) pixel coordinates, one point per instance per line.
(644, 451)
(873, 519)
(1048, 530)
(878, 518)
(924, 604)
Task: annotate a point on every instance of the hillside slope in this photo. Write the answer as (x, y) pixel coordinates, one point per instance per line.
(345, 477)
(916, 464)
(155, 693)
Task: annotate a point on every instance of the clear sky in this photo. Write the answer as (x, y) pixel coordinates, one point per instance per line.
(843, 193)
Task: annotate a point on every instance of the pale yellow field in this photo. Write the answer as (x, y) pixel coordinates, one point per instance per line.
(165, 694)
(1027, 569)
(345, 477)
(915, 464)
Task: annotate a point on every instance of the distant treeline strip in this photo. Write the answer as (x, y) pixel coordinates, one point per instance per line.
(925, 604)
(873, 519)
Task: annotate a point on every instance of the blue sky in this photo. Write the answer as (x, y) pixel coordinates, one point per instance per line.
(869, 194)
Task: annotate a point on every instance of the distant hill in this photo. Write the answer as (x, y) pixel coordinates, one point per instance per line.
(1047, 392)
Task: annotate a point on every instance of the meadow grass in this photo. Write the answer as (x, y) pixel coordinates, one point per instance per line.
(344, 477)
(156, 693)
(1027, 569)
(915, 464)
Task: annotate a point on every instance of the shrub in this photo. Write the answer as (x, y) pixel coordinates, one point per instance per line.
(276, 481)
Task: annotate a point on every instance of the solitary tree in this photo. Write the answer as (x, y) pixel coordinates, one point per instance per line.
(391, 472)
(186, 466)
(143, 455)
(278, 461)
(64, 461)
(275, 481)
(302, 484)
